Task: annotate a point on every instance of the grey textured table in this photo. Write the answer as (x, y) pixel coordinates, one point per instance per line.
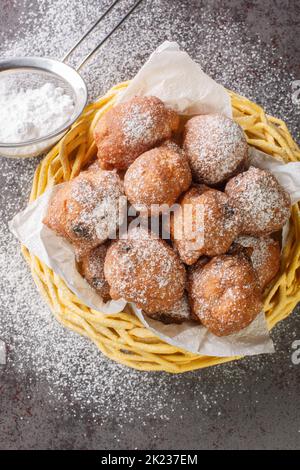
(56, 390)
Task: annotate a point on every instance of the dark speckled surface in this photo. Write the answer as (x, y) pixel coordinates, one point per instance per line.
(249, 46)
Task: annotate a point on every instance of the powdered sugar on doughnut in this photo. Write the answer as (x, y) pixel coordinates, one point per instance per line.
(92, 269)
(259, 248)
(179, 313)
(129, 129)
(144, 270)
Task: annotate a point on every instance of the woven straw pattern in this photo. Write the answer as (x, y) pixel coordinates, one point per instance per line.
(122, 337)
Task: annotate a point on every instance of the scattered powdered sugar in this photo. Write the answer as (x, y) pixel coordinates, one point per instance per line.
(32, 113)
(76, 373)
(145, 121)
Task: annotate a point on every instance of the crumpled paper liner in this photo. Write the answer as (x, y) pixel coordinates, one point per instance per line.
(171, 75)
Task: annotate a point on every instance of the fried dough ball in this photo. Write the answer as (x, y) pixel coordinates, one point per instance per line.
(264, 254)
(56, 216)
(129, 129)
(144, 270)
(179, 313)
(205, 224)
(224, 294)
(216, 148)
(172, 145)
(157, 178)
(87, 209)
(92, 269)
(263, 203)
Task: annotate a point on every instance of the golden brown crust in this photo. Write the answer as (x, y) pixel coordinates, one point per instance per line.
(92, 269)
(171, 144)
(146, 271)
(157, 177)
(82, 248)
(225, 291)
(129, 129)
(216, 148)
(214, 224)
(264, 205)
(224, 294)
(179, 313)
(264, 254)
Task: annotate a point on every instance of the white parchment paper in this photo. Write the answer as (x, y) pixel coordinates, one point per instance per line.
(171, 75)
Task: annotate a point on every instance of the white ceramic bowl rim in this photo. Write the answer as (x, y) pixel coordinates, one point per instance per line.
(56, 68)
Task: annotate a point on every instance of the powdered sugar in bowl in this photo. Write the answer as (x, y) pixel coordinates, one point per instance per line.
(39, 100)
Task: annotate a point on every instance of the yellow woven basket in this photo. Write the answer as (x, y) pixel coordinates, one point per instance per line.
(122, 337)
